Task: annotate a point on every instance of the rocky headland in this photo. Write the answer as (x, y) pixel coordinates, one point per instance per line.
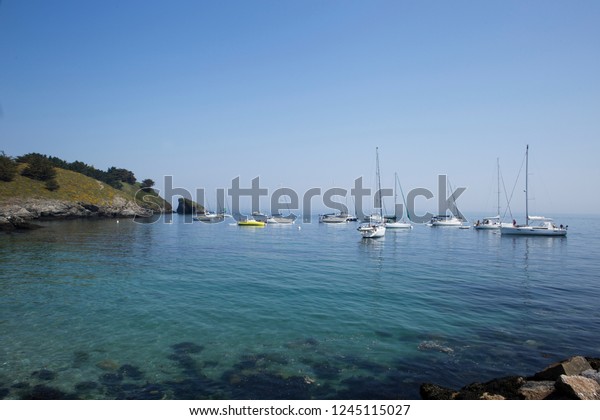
(19, 213)
(39, 187)
(577, 378)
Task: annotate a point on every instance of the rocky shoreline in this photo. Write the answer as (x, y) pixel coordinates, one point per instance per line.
(18, 214)
(577, 378)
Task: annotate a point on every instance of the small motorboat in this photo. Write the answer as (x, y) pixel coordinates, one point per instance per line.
(251, 222)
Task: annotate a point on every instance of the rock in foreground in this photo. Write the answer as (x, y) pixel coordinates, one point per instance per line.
(577, 378)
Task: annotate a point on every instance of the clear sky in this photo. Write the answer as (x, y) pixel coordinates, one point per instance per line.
(301, 92)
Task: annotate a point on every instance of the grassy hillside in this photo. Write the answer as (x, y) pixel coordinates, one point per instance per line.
(74, 187)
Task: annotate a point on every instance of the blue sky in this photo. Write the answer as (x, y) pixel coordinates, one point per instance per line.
(301, 92)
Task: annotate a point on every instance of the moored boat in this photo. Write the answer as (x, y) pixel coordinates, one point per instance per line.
(251, 222)
(260, 217)
(493, 222)
(488, 223)
(393, 222)
(209, 217)
(333, 218)
(278, 218)
(444, 220)
(545, 226)
(398, 225)
(375, 228)
(372, 230)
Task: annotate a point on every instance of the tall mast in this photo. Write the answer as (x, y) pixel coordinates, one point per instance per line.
(379, 183)
(403, 197)
(395, 193)
(498, 175)
(527, 186)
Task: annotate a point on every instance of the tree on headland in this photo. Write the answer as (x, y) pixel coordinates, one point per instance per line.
(113, 176)
(8, 168)
(52, 184)
(147, 185)
(122, 175)
(39, 168)
(36, 158)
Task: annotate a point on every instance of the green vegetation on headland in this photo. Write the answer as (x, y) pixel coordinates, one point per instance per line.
(42, 164)
(36, 186)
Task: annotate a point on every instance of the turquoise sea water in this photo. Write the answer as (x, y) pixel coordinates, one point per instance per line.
(106, 310)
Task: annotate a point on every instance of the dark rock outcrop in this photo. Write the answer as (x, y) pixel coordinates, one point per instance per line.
(16, 223)
(575, 378)
(436, 392)
(16, 213)
(594, 362)
(502, 388)
(507, 387)
(187, 206)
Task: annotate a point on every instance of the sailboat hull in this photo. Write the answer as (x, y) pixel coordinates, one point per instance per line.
(282, 220)
(532, 231)
(372, 231)
(398, 225)
(447, 223)
(331, 218)
(487, 227)
(211, 218)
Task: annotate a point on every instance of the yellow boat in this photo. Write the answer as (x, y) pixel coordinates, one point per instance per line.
(254, 223)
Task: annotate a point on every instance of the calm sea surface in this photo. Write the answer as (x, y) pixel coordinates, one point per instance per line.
(106, 310)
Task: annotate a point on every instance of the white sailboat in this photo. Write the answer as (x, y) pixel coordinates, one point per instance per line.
(375, 229)
(259, 216)
(445, 220)
(334, 218)
(544, 227)
(275, 218)
(492, 222)
(208, 216)
(372, 230)
(448, 220)
(278, 218)
(394, 223)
